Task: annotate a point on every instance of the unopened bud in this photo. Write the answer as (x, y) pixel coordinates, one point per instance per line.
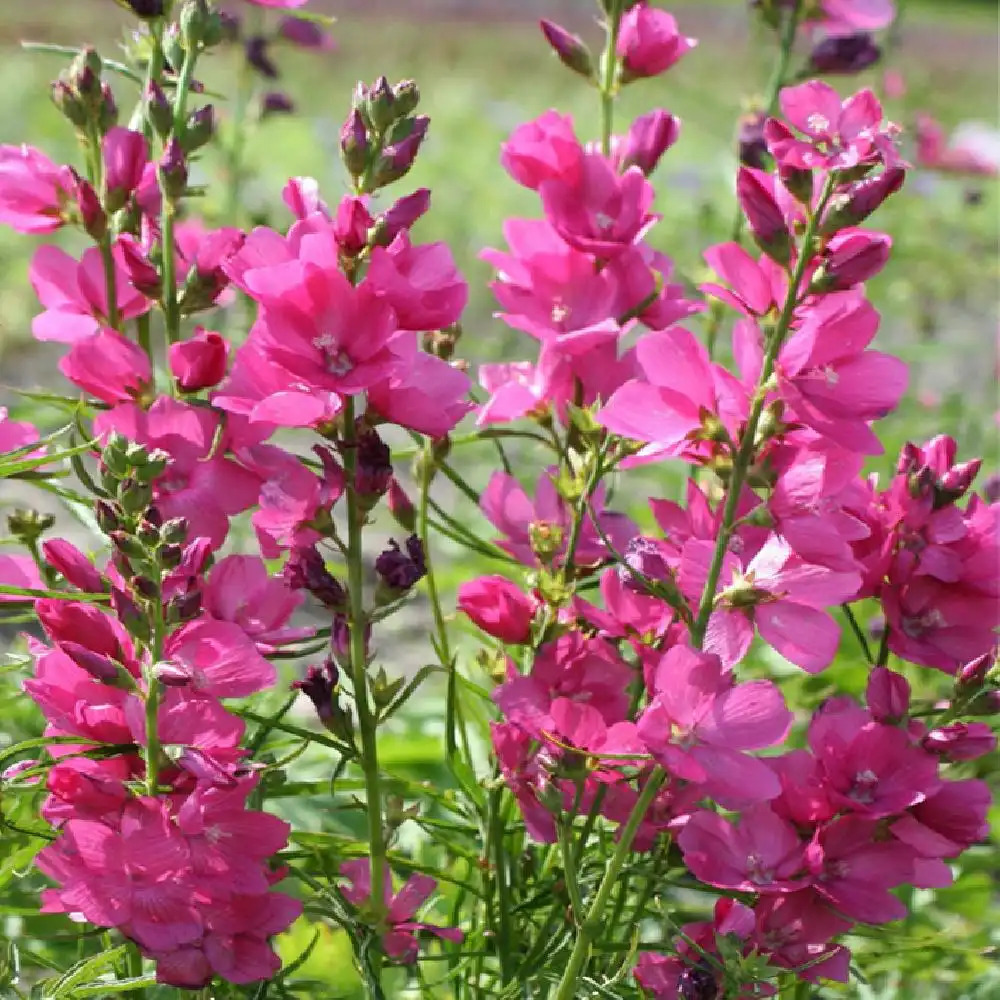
(406, 97)
(172, 170)
(148, 10)
(570, 48)
(399, 155)
(198, 128)
(157, 109)
(354, 146)
(380, 105)
(68, 103)
(85, 76)
(844, 54)
(92, 217)
(401, 507)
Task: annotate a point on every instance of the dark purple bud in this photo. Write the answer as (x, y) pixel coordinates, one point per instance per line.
(399, 156)
(306, 570)
(305, 34)
(403, 214)
(184, 607)
(255, 49)
(648, 138)
(276, 102)
(844, 54)
(354, 145)
(92, 217)
(340, 638)
(991, 488)
(107, 113)
(570, 48)
(198, 128)
(955, 483)
(401, 506)
(172, 169)
(400, 570)
(100, 667)
(373, 468)
(698, 983)
(147, 9)
(320, 685)
(855, 205)
(128, 613)
(751, 147)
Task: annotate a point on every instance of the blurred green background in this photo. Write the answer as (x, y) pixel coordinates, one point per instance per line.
(483, 68)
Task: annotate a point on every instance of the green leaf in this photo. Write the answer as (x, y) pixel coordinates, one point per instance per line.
(83, 974)
(15, 468)
(33, 594)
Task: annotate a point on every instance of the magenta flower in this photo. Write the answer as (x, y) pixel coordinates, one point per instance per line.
(648, 138)
(968, 151)
(19, 571)
(542, 150)
(533, 530)
(763, 854)
(845, 16)
(74, 567)
(948, 822)
(215, 658)
(125, 154)
(421, 283)
(602, 213)
(34, 191)
(240, 590)
(75, 295)
(15, 434)
(205, 490)
(754, 287)
(649, 42)
(853, 872)
(779, 592)
(498, 607)
(400, 941)
(839, 135)
(110, 367)
(699, 721)
(524, 773)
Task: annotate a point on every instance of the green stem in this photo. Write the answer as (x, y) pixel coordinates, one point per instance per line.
(234, 158)
(153, 700)
(110, 285)
(883, 647)
(858, 631)
(143, 336)
(778, 79)
(609, 71)
(748, 442)
(359, 664)
(593, 926)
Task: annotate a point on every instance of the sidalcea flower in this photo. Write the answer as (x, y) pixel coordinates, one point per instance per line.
(499, 607)
(649, 42)
(841, 16)
(971, 149)
(648, 138)
(400, 941)
(539, 531)
(74, 567)
(15, 434)
(699, 721)
(20, 572)
(74, 294)
(34, 192)
(125, 154)
(110, 367)
(542, 150)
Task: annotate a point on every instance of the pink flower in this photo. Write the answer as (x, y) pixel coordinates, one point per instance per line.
(34, 192)
(110, 367)
(240, 590)
(524, 774)
(698, 721)
(75, 294)
(781, 593)
(763, 854)
(400, 940)
(542, 150)
(971, 150)
(854, 872)
(19, 571)
(846, 16)
(200, 361)
(205, 490)
(498, 607)
(839, 135)
(540, 530)
(15, 434)
(649, 42)
(758, 195)
(850, 257)
(421, 283)
(755, 288)
(301, 195)
(215, 658)
(74, 567)
(125, 156)
(648, 138)
(949, 822)
(602, 213)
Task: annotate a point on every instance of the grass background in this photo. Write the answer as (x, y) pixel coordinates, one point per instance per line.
(483, 68)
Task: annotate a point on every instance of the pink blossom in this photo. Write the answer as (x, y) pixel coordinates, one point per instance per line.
(850, 257)
(216, 658)
(846, 16)
(19, 571)
(854, 872)
(34, 191)
(763, 854)
(887, 695)
(949, 822)
(508, 508)
(301, 195)
(74, 567)
(649, 42)
(75, 294)
(421, 283)
(125, 154)
(400, 941)
(110, 367)
(969, 151)
(602, 213)
(498, 607)
(648, 138)
(525, 775)
(839, 135)
(240, 590)
(699, 721)
(751, 284)
(15, 434)
(542, 150)
(205, 490)
(200, 361)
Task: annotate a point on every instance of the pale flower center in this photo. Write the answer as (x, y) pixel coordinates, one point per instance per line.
(864, 787)
(818, 122)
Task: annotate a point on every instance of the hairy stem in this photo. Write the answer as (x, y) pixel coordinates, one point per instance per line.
(153, 698)
(609, 71)
(359, 663)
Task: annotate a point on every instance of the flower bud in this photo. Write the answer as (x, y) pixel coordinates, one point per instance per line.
(200, 362)
(85, 77)
(198, 128)
(750, 144)
(403, 214)
(125, 155)
(405, 98)
(399, 570)
(196, 23)
(648, 138)
(972, 675)
(27, 526)
(844, 53)
(498, 607)
(888, 695)
(184, 608)
(68, 103)
(148, 10)
(955, 482)
(321, 686)
(306, 570)
(849, 258)
(73, 566)
(755, 191)
(373, 468)
(397, 157)
(960, 741)
(99, 666)
(92, 216)
(379, 105)
(276, 102)
(570, 48)
(157, 110)
(649, 42)
(546, 540)
(354, 145)
(400, 506)
(172, 170)
(855, 205)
